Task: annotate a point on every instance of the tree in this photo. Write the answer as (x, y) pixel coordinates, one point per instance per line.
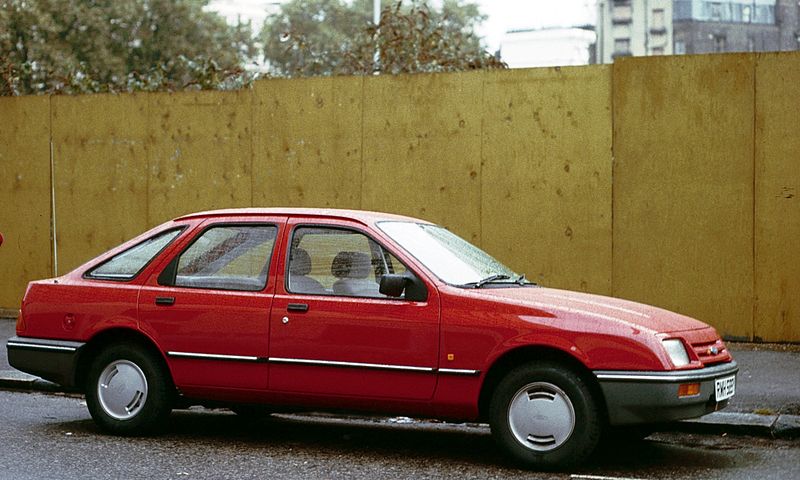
(116, 45)
(330, 37)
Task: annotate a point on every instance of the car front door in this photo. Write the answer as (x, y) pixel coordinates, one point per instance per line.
(208, 307)
(332, 332)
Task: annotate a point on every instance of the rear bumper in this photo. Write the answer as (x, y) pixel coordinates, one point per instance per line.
(652, 397)
(54, 360)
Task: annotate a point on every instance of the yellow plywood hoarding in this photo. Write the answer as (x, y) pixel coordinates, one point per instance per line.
(422, 146)
(777, 201)
(24, 195)
(683, 186)
(199, 152)
(307, 142)
(546, 196)
(100, 173)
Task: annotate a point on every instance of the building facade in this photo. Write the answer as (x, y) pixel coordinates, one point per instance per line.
(633, 27)
(548, 47)
(704, 26)
(662, 27)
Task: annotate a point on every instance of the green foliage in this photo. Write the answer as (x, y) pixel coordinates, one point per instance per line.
(79, 46)
(87, 46)
(332, 37)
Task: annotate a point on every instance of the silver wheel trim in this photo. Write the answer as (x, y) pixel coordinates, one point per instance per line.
(122, 389)
(541, 416)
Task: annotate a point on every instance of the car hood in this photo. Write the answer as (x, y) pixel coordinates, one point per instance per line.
(596, 307)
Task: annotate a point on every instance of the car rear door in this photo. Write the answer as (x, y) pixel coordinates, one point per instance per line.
(208, 306)
(333, 333)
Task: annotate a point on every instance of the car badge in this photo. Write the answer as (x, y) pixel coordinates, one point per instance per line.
(713, 350)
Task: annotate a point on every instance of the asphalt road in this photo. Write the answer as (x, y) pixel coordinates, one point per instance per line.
(52, 437)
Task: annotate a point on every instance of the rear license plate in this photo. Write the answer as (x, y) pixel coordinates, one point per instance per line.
(725, 387)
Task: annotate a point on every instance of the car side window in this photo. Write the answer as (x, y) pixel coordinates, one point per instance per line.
(332, 261)
(227, 257)
(127, 264)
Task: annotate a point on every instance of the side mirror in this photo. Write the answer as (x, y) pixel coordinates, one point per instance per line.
(393, 285)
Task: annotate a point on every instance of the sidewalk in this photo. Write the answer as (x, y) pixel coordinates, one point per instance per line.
(767, 400)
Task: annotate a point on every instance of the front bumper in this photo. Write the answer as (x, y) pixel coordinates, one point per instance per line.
(54, 360)
(652, 397)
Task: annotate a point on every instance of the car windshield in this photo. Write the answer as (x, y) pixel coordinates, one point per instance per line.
(448, 256)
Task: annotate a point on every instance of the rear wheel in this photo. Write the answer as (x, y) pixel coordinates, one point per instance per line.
(544, 416)
(127, 390)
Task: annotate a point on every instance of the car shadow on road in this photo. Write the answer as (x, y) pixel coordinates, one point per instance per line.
(365, 440)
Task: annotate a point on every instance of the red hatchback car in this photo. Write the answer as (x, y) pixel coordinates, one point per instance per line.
(292, 309)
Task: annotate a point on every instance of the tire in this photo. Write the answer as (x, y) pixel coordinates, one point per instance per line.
(128, 391)
(544, 416)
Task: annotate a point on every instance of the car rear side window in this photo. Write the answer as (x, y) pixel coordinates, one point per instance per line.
(227, 257)
(127, 264)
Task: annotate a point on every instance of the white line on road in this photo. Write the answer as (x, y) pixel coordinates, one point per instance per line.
(601, 477)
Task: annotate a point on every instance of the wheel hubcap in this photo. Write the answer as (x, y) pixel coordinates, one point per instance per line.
(541, 416)
(122, 389)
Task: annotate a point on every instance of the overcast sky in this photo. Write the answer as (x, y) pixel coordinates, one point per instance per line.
(503, 15)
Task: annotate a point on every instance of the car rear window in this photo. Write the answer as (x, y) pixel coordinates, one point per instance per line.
(127, 264)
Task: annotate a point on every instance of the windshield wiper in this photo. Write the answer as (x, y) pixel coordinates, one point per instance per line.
(491, 278)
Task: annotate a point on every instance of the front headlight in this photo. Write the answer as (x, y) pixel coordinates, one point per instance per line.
(676, 351)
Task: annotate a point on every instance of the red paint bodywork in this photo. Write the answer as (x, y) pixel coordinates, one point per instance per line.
(455, 328)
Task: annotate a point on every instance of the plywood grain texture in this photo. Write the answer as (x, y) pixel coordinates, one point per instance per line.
(422, 146)
(24, 195)
(683, 186)
(546, 197)
(307, 143)
(777, 200)
(100, 174)
(199, 152)
(696, 210)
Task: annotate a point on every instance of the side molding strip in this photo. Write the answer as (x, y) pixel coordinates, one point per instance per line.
(458, 371)
(322, 363)
(214, 356)
(330, 363)
(41, 346)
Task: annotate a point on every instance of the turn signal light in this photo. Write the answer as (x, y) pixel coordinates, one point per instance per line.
(688, 389)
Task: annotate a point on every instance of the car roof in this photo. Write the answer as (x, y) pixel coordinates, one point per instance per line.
(363, 216)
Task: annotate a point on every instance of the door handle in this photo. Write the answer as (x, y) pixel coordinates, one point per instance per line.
(297, 307)
(165, 300)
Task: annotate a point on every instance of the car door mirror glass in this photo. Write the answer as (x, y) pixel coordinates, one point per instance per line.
(393, 285)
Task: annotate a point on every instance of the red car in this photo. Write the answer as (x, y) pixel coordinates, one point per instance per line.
(292, 309)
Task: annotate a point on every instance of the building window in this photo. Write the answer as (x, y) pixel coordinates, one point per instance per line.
(622, 45)
(716, 11)
(747, 14)
(732, 11)
(658, 19)
(680, 47)
(658, 51)
(719, 43)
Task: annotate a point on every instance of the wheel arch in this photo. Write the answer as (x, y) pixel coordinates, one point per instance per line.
(531, 354)
(116, 335)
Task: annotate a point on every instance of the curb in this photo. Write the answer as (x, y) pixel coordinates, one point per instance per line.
(15, 380)
(772, 426)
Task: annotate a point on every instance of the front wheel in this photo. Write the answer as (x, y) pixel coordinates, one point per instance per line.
(128, 391)
(544, 416)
